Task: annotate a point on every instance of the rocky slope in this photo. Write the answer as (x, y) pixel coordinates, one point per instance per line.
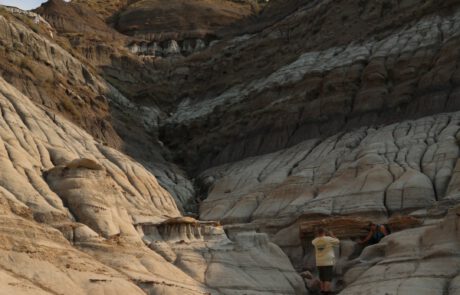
(421, 261)
(82, 207)
(321, 78)
(370, 172)
(179, 19)
(119, 118)
(66, 205)
(51, 76)
(63, 79)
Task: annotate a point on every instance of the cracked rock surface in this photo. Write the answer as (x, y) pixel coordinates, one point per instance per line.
(71, 206)
(370, 171)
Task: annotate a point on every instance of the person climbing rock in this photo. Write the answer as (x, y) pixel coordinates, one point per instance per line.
(376, 233)
(324, 244)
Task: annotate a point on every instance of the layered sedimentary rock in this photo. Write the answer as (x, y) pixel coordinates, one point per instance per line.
(34, 141)
(37, 259)
(372, 173)
(202, 250)
(52, 77)
(85, 30)
(167, 48)
(155, 20)
(79, 204)
(398, 70)
(56, 79)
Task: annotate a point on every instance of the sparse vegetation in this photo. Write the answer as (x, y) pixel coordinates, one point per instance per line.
(5, 13)
(68, 105)
(30, 23)
(25, 63)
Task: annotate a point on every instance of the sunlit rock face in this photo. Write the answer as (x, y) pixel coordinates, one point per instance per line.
(83, 201)
(55, 173)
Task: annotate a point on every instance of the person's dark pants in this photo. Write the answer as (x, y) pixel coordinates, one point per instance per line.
(326, 273)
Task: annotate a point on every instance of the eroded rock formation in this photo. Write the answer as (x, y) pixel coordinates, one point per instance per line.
(393, 73)
(421, 261)
(371, 172)
(332, 113)
(167, 48)
(96, 203)
(395, 168)
(202, 250)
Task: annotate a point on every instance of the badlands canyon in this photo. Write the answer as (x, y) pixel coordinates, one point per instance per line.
(192, 146)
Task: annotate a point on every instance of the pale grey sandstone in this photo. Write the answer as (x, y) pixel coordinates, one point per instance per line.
(417, 261)
(55, 173)
(395, 168)
(249, 264)
(373, 172)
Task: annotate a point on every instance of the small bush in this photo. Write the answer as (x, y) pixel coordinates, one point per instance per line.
(69, 106)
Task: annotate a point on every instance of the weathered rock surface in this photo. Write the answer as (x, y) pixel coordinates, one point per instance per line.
(204, 252)
(179, 19)
(416, 261)
(372, 173)
(318, 84)
(313, 112)
(167, 48)
(85, 30)
(56, 175)
(56, 79)
(35, 141)
(35, 64)
(37, 259)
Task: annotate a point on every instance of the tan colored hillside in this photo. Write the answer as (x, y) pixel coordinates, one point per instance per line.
(193, 147)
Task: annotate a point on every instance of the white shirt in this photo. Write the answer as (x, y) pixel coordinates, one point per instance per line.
(324, 247)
